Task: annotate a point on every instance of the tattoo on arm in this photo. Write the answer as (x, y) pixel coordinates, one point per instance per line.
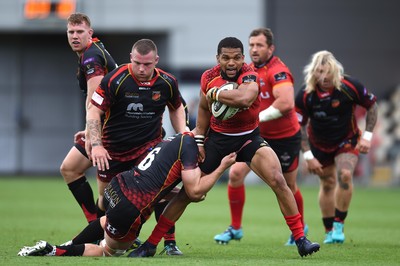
(94, 128)
(371, 118)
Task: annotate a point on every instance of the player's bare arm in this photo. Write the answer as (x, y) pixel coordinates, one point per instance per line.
(178, 119)
(99, 154)
(242, 97)
(202, 123)
(284, 97)
(364, 145)
(197, 186)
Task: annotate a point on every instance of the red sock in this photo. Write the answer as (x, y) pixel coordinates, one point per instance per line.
(236, 198)
(299, 201)
(162, 227)
(294, 223)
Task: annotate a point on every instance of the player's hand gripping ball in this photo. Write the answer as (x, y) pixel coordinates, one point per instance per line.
(222, 111)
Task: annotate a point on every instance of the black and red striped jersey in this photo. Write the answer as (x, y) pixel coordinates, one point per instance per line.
(94, 61)
(134, 110)
(332, 113)
(159, 172)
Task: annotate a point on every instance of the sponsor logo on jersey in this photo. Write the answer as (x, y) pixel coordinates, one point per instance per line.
(156, 95)
(135, 107)
(144, 88)
(265, 95)
(91, 59)
(111, 229)
(262, 83)
(335, 103)
(145, 83)
(129, 94)
(249, 78)
(280, 76)
(164, 76)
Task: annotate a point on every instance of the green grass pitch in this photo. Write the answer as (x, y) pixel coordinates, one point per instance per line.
(35, 208)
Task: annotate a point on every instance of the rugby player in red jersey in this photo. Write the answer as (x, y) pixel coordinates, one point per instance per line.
(240, 134)
(278, 126)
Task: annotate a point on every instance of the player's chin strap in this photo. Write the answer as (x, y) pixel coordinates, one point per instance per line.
(109, 252)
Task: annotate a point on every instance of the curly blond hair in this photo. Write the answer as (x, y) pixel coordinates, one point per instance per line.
(318, 60)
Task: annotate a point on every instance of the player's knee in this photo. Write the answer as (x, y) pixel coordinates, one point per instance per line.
(328, 184)
(345, 175)
(109, 252)
(236, 178)
(69, 173)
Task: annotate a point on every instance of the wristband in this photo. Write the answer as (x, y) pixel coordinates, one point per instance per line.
(269, 114)
(367, 135)
(199, 140)
(307, 155)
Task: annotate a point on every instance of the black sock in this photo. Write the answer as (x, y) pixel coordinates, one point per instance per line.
(340, 216)
(71, 250)
(92, 233)
(83, 194)
(328, 223)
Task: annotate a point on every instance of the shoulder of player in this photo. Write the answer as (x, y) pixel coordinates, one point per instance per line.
(92, 54)
(168, 77)
(117, 75)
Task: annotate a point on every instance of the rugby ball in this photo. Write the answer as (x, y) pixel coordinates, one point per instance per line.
(222, 111)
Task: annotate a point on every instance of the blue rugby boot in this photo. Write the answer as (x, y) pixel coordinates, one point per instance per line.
(337, 232)
(171, 249)
(328, 238)
(228, 235)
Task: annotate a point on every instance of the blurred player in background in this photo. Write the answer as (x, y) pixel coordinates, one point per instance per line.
(131, 196)
(94, 62)
(238, 134)
(331, 139)
(278, 126)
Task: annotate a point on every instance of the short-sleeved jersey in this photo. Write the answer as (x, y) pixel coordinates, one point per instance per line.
(332, 114)
(272, 75)
(245, 119)
(134, 110)
(94, 61)
(159, 172)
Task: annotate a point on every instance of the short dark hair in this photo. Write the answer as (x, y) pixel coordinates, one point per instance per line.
(267, 32)
(229, 42)
(78, 18)
(144, 46)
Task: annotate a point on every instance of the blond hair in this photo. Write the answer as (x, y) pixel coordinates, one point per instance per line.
(318, 60)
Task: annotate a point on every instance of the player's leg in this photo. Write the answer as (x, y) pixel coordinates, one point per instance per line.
(170, 246)
(266, 165)
(326, 200)
(101, 185)
(345, 165)
(236, 196)
(171, 214)
(291, 180)
(73, 170)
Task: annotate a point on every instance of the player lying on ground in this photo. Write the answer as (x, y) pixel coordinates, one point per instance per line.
(131, 196)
